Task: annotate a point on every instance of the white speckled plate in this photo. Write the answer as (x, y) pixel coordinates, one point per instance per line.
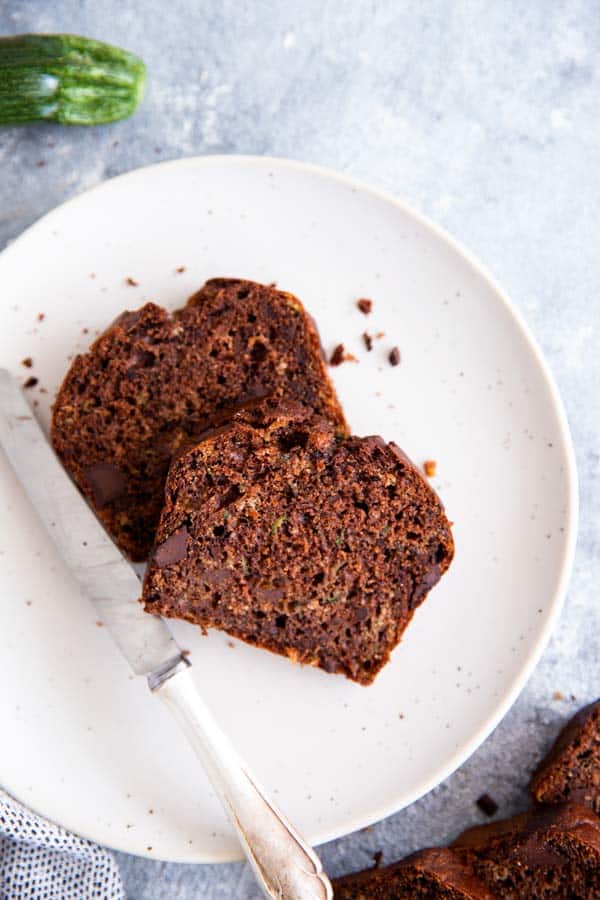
(83, 742)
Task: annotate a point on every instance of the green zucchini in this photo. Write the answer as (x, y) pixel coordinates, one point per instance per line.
(68, 79)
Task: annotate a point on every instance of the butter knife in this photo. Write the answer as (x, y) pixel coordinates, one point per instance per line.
(284, 865)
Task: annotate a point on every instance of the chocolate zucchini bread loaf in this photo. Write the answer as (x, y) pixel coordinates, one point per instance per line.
(152, 379)
(435, 873)
(550, 852)
(292, 537)
(571, 770)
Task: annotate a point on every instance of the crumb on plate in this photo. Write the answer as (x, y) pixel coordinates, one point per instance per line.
(430, 467)
(487, 805)
(337, 357)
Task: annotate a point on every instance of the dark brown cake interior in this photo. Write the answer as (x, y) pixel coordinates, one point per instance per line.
(571, 771)
(282, 533)
(552, 852)
(435, 874)
(153, 379)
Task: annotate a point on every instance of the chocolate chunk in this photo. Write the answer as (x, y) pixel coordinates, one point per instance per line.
(431, 577)
(212, 576)
(106, 483)
(337, 357)
(535, 854)
(365, 305)
(487, 805)
(394, 356)
(400, 454)
(127, 319)
(375, 440)
(271, 595)
(173, 549)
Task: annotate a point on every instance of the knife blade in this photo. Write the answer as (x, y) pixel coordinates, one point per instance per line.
(94, 560)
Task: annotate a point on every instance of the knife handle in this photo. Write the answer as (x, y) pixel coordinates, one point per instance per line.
(285, 866)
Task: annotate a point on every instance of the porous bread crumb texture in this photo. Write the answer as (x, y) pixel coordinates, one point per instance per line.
(571, 770)
(153, 379)
(292, 538)
(550, 852)
(433, 873)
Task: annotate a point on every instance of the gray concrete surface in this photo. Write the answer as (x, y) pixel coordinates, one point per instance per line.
(483, 115)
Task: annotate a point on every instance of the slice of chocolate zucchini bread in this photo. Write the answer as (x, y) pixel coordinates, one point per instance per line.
(434, 873)
(152, 379)
(549, 852)
(286, 534)
(571, 770)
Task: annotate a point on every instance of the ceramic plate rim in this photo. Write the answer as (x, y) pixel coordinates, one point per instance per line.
(510, 694)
